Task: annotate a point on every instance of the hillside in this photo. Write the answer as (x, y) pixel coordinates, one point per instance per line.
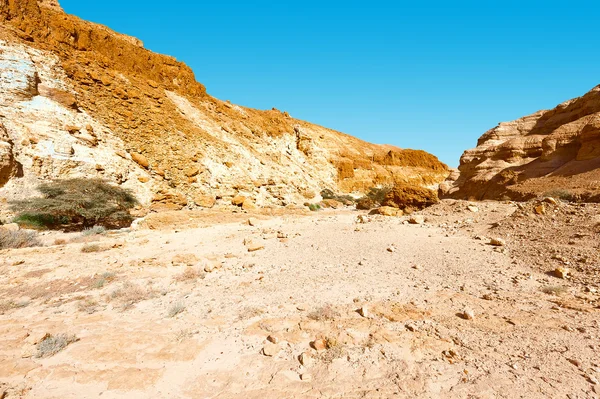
(555, 152)
(77, 99)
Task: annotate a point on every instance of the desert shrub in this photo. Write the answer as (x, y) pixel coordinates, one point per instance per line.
(18, 239)
(53, 344)
(326, 312)
(314, 207)
(86, 249)
(343, 198)
(96, 230)
(562, 194)
(77, 204)
(176, 309)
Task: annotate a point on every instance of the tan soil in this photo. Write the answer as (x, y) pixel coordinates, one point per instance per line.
(414, 283)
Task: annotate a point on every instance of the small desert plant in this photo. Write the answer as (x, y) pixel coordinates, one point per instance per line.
(562, 194)
(130, 294)
(176, 309)
(94, 231)
(554, 290)
(326, 312)
(10, 305)
(314, 207)
(88, 305)
(77, 204)
(190, 274)
(18, 239)
(378, 194)
(53, 344)
(91, 248)
(103, 279)
(60, 241)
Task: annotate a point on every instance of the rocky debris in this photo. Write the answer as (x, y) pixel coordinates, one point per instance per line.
(562, 272)
(364, 311)
(387, 211)
(540, 209)
(319, 344)
(366, 203)
(416, 219)
(252, 222)
(253, 246)
(468, 314)
(271, 349)
(305, 359)
(331, 203)
(306, 377)
(551, 153)
(210, 265)
(411, 197)
(184, 260)
(497, 242)
(140, 159)
(473, 208)
(205, 201)
(10, 227)
(273, 339)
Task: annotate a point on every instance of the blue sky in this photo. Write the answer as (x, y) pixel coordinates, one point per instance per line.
(432, 75)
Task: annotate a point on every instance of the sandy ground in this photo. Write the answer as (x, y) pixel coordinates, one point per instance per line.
(358, 307)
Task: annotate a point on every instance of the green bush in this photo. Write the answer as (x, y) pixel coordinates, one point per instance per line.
(76, 204)
(314, 207)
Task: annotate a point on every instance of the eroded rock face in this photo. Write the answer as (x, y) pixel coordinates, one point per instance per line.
(546, 151)
(7, 160)
(75, 106)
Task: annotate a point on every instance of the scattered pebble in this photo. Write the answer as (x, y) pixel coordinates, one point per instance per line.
(468, 314)
(497, 242)
(271, 349)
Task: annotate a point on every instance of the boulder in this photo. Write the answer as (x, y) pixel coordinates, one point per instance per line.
(409, 196)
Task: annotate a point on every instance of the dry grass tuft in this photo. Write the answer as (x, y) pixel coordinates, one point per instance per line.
(176, 309)
(190, 274)
(53, 344)
(130, 294)
(18, 239)
(326, 312)
(555, 290)
(5, 306)
(104, 279)
(88, 305)
(89, 248)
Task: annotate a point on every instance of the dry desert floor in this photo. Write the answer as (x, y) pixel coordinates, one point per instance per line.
(330, 304)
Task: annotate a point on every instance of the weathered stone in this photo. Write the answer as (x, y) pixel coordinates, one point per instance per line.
(271, 349)
(416, 219)
(140, 159)
(497, 242)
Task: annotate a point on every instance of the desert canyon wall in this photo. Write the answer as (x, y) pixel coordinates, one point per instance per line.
(553, 152)
(79, 100)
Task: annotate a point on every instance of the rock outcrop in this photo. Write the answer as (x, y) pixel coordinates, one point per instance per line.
(556, 152)
(77, 99)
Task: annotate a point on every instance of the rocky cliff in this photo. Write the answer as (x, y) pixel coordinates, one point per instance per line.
(77, 99)
(550, 152)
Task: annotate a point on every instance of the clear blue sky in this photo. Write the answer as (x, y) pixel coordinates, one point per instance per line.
(432, 75)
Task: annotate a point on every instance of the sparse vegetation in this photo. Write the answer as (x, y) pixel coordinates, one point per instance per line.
(326, 312)
(104, 279)
(60, 241)
(5, 306)
(314, 207)
(53, 344)
(329, 194)
(555, 290)
(88, 305)
(130, 294)
(96, 230)
(76, 204)
(562, 194)
(176, 309)
(89, 248)
(18, 239)
(190, 274)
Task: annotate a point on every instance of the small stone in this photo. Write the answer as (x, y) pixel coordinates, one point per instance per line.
(497, 242)
(416, 219)
(301, 308)
(211, 265)
(252, 222)
(540, 209)
(417, 267)
(306, 377)
(473, 208)
(305, 359)
(319, 344)
(551, 200)
(281, 234)
(391, 249)
(273, 339)
(253, 247)
(562, 272)
(574, 362)
(364, 311)
(271, 349)
(411, 327)
(468, 314)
